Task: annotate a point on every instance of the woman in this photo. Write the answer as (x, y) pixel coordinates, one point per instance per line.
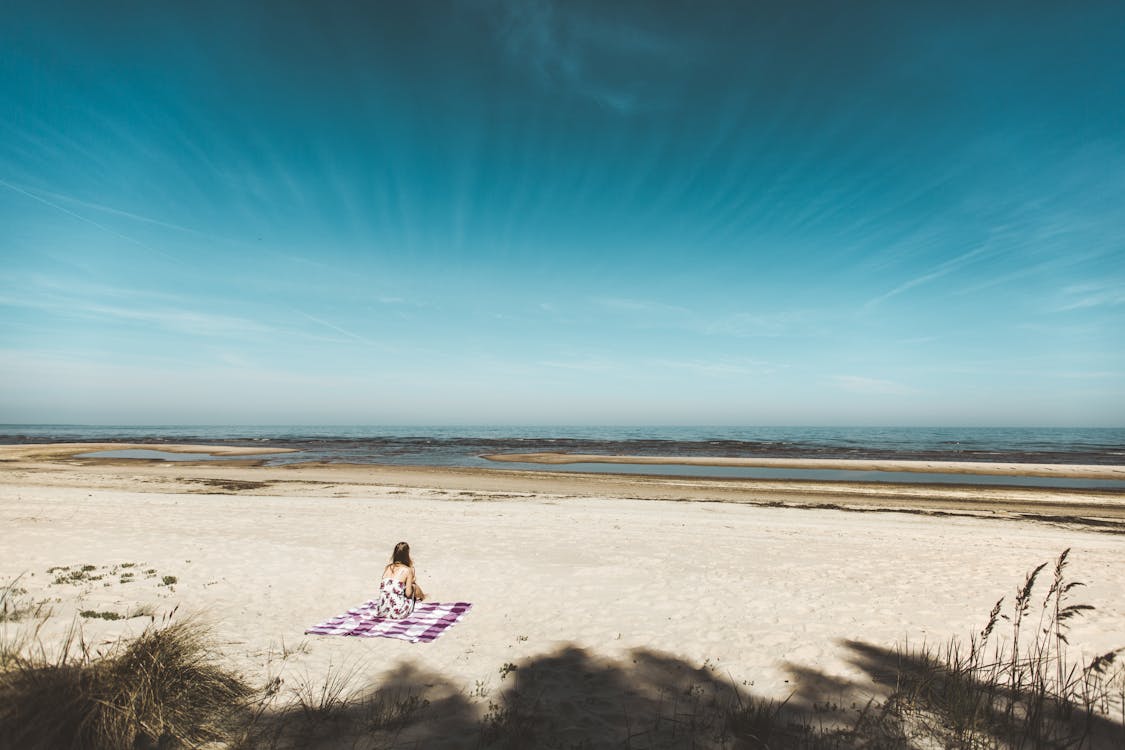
(398, 590)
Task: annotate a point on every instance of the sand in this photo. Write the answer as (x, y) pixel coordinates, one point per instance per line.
(765, 588)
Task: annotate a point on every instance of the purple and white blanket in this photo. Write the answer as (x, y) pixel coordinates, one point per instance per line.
(427, 622)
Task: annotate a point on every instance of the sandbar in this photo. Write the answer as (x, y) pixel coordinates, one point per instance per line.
(1070, 471)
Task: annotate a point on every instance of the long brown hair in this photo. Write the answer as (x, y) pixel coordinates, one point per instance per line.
(401, 555)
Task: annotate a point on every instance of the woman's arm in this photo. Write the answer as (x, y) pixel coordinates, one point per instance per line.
(409, 580)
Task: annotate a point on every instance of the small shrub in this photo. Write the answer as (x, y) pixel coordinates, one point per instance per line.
(91, 614)
(81, 574)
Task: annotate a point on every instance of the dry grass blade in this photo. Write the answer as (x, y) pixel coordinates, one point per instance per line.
(327, 699)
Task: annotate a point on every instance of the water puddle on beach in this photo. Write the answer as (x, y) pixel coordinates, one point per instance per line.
(144, 453)
(827, 475)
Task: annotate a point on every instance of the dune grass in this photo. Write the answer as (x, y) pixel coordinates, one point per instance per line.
(164, 688)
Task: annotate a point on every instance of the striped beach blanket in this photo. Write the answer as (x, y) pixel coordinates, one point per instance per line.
(426, 623)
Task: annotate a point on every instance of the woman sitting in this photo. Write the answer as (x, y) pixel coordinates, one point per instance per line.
(398, 590)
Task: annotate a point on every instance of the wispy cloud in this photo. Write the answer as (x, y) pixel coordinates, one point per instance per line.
(74, 299)
(582, 364)
(585, 54)
(178, 320)
(701, 367)
(334, 327)
(717, 368)
(917, 340)
(738, 325)
(203, 377)
(646, 307)
(873, 386)
(1092, 294)
(57, 198)
(942, 269)
(87, 220)
(746, 325)
(62, 288)
(114, 305)
(1082, 375)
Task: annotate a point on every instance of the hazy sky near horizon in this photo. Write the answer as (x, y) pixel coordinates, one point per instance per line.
(526, 211)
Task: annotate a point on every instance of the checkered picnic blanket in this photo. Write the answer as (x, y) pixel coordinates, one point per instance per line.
(427, 622)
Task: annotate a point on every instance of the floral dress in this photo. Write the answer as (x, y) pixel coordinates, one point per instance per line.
(393, 601)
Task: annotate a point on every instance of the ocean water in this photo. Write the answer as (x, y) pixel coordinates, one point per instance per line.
(464, 445)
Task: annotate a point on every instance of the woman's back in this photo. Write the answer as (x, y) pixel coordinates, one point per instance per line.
(397, 571)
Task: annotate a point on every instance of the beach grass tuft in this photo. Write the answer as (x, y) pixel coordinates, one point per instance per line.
(164, 688)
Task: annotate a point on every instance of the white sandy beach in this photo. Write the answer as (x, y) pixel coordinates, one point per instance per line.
(767, 597)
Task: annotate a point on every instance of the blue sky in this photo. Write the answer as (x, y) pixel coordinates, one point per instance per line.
(523, 212)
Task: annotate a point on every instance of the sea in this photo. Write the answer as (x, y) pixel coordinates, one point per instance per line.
(465, 446)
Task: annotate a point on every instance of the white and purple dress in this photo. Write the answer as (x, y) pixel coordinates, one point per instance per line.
(393, 601)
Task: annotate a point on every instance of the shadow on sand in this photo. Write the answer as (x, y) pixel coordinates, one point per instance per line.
(571, 699)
